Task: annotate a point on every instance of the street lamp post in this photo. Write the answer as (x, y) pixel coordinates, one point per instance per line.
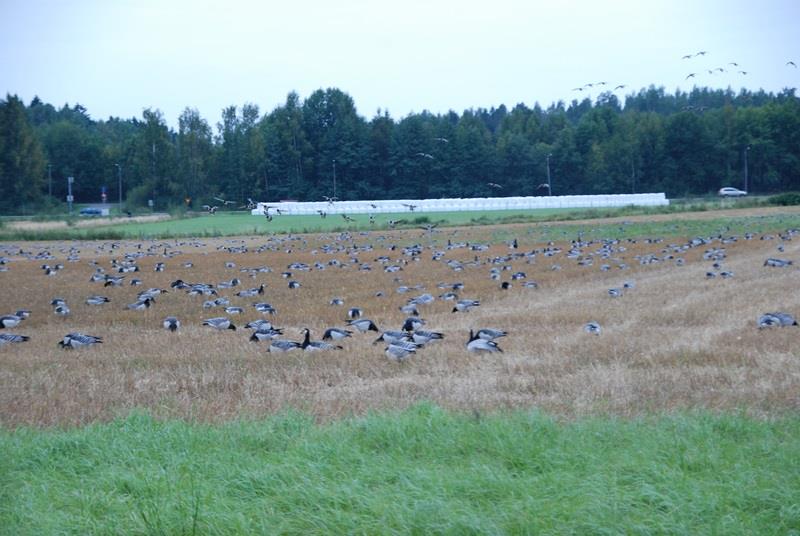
(746, 150)
(334, 178)
(119, 176)
(549, 186)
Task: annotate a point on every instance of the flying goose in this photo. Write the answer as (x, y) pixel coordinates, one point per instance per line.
(314, 346)
(400, 351)
(75, 340)
(363, 325)
(476, 344)
(171, 323)
(6, 338)
(219, 322)
(336, 334)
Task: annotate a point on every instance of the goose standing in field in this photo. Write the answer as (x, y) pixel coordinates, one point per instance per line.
(61, 309)
(490, 334)
(413, 323)
(75, 340)
(777, 263)
(363, 325)
(422, 337)
(354, 312)
(463, 306)
(10, 321)
(8, 338)
(23, 314)
(593, 328)
(393, 337)
(282, 345)
(476, 344)
(171, 324)
(265, 333)
(140, 305)
(231, 310)
(249, 293)
(220, 323)
(315, 346)
(336, 334)
(614, 292)
(97, 300)
(769, 320)
(400, 351)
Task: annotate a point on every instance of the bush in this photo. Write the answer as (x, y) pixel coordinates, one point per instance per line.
(785, 200)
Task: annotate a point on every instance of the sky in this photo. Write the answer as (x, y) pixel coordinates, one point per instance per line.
(119, 57)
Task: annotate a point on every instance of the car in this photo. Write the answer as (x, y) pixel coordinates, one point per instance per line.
(732, 192)
(91, 211)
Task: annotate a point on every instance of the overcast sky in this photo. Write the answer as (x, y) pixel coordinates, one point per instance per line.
(119, 57)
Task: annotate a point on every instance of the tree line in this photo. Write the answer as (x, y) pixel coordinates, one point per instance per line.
(681, 143)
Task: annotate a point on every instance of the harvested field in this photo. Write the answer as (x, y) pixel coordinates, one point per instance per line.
(675, 341)
(25, 225)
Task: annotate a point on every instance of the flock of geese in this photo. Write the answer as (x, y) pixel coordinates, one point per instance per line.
(400, 344)
(729, 67)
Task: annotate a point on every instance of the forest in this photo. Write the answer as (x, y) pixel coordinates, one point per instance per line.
(682, 144)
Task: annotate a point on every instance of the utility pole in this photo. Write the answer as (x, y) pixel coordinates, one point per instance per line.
(119, 176)
(746, 150)
(70, 199)
(549, 186)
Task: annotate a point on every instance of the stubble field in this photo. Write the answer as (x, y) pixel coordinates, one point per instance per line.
(675, 341)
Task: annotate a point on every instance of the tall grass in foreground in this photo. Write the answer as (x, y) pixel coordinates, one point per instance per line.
(422, 471)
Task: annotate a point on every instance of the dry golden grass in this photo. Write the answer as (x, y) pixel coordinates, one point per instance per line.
(675, 341)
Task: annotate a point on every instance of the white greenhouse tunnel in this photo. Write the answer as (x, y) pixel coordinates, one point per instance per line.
(453, 205)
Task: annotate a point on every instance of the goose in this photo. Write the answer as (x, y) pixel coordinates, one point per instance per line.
(315, 346)
(463, 306)
(592, 327)
(6, 338)
(337, 301)
(354, 312)
(413, 323)
(171, 323)
(10, 321)
(219, 322)
(96, 300)
(249, 293)
(614, 292)
(259, 324)
(266, 308)
(505, 285)
(393, 337)
(777, 263)
(490, 334)
(75, 340)
(294, 284)
(282, 345)
(23, 313)
(140, 305)
(336, 334)
(410, 309)
(401, 351)
(61, 310)
(265, 334)
(476, 344)
(363, 325)
(769, 320)
(424, 337)
(58, 301)
(234, 310)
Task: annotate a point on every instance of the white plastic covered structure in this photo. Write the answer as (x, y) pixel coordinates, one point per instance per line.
(453, 205)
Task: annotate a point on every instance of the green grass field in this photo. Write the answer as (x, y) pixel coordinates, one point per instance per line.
(423, 471)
